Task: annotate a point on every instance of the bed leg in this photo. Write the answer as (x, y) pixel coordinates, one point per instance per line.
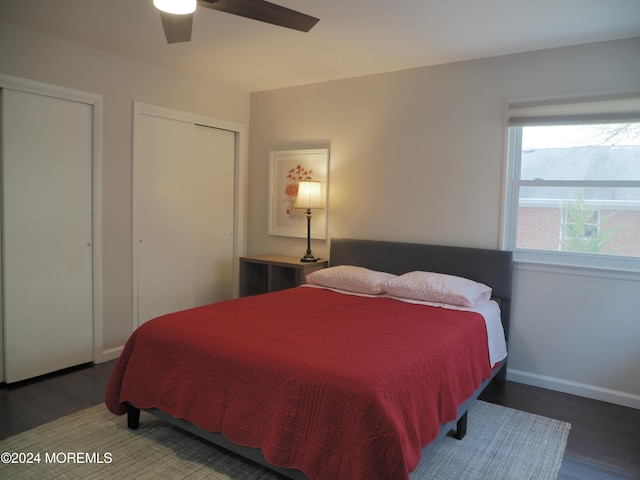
(133, 417)
(501, 376)
(461, 427)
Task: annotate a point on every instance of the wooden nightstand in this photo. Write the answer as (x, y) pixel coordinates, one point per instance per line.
(269, 273)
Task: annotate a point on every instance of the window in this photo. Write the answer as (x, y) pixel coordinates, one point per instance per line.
(573, 183)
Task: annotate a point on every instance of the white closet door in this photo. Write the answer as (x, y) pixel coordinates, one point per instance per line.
(183, 224)
(47, 258)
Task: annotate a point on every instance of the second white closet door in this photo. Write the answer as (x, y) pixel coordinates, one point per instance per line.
(184, 192)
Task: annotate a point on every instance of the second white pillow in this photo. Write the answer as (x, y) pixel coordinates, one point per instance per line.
(439, 288)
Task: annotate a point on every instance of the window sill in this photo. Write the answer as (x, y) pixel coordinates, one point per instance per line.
(621, 268)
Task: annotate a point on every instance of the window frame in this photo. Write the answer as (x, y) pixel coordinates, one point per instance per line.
(513, 183)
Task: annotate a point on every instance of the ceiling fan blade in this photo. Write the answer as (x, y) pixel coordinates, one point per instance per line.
(177, 28)
(263, 12)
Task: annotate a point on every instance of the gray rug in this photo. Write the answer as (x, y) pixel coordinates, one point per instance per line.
(500, 444)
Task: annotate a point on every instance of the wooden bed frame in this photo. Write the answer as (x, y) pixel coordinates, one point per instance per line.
(491, 267)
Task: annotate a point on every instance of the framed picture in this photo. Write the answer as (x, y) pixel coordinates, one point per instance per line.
(287, 168)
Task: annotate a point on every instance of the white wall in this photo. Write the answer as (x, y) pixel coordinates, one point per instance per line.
(120, 81)
(577, 331)
(418, 155)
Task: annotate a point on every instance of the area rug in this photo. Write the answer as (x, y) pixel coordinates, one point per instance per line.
(501, 444)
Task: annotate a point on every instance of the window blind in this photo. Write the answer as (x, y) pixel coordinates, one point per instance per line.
(576, 111)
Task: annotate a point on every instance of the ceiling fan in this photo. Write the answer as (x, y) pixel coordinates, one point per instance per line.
(177, 15)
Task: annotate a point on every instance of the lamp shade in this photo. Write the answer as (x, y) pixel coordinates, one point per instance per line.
(180, 7)
(309, 195)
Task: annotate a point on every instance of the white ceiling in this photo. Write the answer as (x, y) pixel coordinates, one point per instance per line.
(353, 37)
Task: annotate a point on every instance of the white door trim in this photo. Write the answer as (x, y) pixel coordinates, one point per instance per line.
(240, 172)
(95, 100)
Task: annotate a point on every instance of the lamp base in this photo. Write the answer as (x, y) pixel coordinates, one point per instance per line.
(309, 258)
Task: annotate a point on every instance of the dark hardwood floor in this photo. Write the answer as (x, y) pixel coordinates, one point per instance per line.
(604, 443)
(27, 404)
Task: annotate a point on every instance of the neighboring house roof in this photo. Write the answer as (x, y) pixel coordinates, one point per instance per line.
(582, 163)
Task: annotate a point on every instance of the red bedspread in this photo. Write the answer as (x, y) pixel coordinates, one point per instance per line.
(339, 386)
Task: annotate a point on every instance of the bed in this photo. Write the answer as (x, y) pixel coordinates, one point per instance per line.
(350, 386)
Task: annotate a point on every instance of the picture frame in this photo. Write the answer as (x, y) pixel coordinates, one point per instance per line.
(286, 169)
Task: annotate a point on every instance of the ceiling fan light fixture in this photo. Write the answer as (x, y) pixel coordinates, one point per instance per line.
(178, 7)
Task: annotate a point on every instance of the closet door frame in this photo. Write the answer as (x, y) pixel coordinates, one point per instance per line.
(95, 101)
(240, 178)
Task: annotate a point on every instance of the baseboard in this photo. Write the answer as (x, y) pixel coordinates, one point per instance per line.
(109, 354)
(583, 390)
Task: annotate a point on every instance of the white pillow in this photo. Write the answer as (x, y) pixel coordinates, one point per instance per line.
(351, 278)
(439, 288)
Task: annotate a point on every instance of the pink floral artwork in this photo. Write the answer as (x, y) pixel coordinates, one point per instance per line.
(287, 168)
(295, 175)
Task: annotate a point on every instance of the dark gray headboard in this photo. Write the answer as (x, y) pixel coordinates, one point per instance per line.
(491, 267)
